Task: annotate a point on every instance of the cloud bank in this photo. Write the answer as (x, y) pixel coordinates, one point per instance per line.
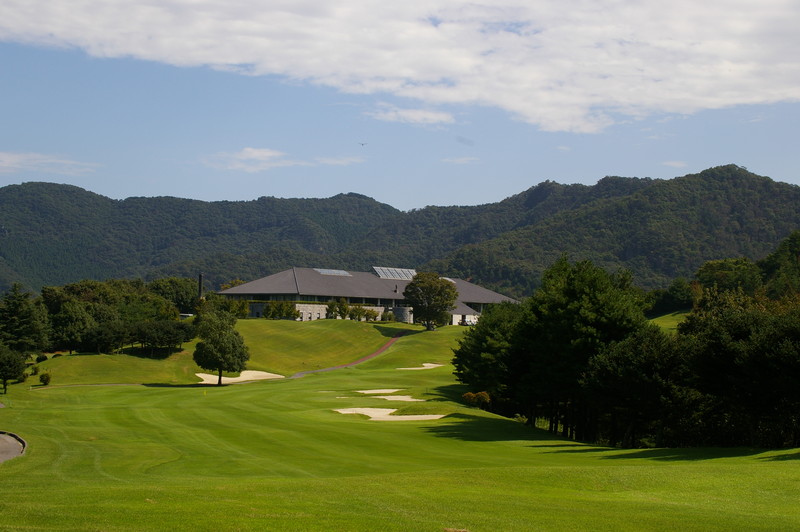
(253, 160)
(42, 162)
(576, 65)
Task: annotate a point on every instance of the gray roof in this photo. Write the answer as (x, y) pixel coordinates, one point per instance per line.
(340, 283)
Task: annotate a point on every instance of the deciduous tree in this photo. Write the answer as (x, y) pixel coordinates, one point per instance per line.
(431, 297)
(221, 347)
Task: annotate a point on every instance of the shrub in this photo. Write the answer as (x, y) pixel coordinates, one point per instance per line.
(44, 378)
(481, 399)
(56, 355)
(34, 370)
(356, 312)
(387, 316)
(41, 358)
(281, 310)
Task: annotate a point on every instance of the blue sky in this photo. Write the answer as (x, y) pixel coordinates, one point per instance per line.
(412, 103)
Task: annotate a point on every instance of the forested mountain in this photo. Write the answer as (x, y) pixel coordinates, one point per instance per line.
(659, 232)
(659, 229)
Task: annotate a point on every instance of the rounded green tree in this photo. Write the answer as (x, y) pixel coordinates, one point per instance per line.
(431, 297)
(221, 347)
(12, 365)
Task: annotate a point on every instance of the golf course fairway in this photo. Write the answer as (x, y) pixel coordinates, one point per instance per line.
(145, 447)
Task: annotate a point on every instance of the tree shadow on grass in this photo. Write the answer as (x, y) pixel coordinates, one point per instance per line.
(450, 392)
(155, 354)
(691, 454)
(138, 352)
(467, 427)
(781, 457)
(193, 385)
(391, 332)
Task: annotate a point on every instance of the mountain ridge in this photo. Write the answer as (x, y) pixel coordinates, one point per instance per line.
(53, 234)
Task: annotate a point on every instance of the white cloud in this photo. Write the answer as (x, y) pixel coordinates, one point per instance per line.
(675, 164)
(577, 66)
(411, 116)
(461, 160)
(42, 163)
(254, 160)
(251, 160)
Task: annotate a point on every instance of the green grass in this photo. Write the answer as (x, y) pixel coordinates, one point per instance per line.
(282, 347)
(275, 456)
(669, 322)
(287, 347)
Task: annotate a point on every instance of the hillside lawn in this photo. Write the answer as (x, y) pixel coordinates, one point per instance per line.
(669, 322)
(162, 453)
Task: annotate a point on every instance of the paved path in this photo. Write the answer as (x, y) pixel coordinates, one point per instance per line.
(383, 348)
(10, 447)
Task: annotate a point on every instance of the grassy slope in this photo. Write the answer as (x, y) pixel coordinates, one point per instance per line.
(282, 347)
(274, 455)
(669, 322)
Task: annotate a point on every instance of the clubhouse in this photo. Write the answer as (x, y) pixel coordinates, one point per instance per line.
(311, 289)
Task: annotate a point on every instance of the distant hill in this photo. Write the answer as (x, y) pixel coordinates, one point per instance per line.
(659, 229)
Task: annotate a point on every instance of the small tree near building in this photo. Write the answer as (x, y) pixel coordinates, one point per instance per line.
(431, 297)
(221, 347)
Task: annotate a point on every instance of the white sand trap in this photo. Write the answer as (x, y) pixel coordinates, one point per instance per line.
(384, 414)
(245, 376)
(383, 390)
(406, 398)
(426, 365)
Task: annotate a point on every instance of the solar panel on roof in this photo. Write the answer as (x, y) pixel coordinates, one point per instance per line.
(341, 273)
(404, 274)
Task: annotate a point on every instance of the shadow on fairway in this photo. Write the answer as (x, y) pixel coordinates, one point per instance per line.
(450, 392)
(194, 385)
(138, 352)
(684, 454)
(391, 332)
(467, 427)
(782, 457)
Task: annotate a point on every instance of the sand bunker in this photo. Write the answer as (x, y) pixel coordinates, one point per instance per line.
(426, 365)
(384, 414)
(382, 390)
(245, 376)
(406, 398)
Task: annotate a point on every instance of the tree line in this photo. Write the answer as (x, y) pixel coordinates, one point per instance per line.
(108, 316)
(579, 357)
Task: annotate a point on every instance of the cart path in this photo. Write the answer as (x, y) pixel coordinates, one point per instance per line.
(10, 446)
(383, 348)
